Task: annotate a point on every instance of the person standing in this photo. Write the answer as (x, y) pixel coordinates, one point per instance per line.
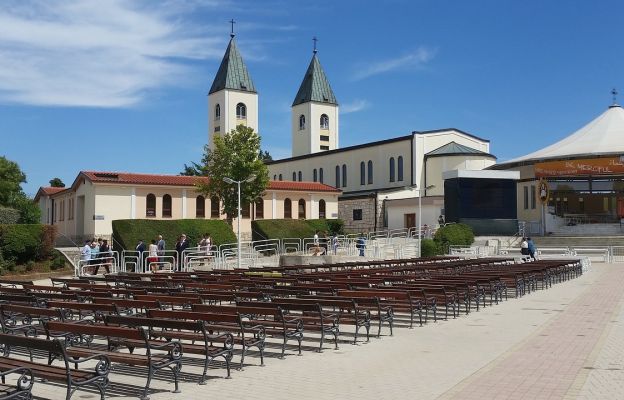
(441, 220)
(103, 257)
(524, 247)
(361, 244)
(152, 256)
(181, 245)
(85, 253)
(334, 242)
(140, 248)
(161, 249)
(531, 247)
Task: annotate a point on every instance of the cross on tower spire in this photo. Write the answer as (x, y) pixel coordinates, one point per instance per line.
(232, 22)
(314, 39)
(614, 93)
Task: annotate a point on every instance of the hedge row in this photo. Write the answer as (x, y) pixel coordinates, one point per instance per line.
(127, 232)
(9, 215)
(294, 228)
(26, 242)
(449, 235)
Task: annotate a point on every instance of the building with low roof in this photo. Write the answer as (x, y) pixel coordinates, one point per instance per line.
(578, 180)
(87, 208)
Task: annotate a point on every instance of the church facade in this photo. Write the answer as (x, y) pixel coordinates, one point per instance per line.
(381, 181)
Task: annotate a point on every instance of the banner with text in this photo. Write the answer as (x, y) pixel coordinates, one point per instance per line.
(590, 166)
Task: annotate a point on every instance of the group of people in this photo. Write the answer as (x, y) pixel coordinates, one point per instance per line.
(96, 253)
(156, 256)
(322, 243)
(527, 248)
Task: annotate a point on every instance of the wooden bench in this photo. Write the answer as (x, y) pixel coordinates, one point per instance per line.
(181, 330)
(74, 378)
(272, 319)
(22, 388)
(370, 300)
(157, 357)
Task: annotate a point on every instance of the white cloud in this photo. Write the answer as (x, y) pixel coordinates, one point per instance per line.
(354, 106)
(97, 53)
(417, 58)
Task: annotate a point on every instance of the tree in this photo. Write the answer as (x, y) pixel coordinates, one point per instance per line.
(11, 179)
(236, 155)
(11, 194)
(265, 156)
(192, 170)
(57, 182)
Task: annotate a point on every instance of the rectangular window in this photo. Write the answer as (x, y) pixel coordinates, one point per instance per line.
(357, 214)
(324, 147)
(533, 195)
(245, 211)
(526, 197)
(217, 128)
(324, 138)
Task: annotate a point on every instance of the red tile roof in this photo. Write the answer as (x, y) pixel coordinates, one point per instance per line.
(52, 190)
(177, 180)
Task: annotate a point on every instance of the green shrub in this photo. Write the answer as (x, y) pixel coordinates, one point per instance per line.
(58, 261)
(20, 243)
(9, 215)
(429, 248)
(30, 266)
(127, 232)
(454, 235)
(293, 228)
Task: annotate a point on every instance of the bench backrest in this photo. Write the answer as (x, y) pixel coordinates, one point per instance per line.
(53, 346)
(153, 322)
(97, 330)
(196, 316)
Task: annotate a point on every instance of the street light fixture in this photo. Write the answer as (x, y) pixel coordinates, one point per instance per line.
(230, 181)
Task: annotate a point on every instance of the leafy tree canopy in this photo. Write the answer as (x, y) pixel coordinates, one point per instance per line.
(11, 179)
(57, 182)
(11, 194)
(236, 155)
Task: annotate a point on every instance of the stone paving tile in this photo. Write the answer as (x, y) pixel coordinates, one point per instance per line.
(548, 363)
(529, 345)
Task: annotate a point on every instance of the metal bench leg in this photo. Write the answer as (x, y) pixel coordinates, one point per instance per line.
(176, 374)
(207, 361)
(228, 363)
(242, 361)
(145, 395)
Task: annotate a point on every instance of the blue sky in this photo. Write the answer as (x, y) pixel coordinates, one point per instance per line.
(122, 85)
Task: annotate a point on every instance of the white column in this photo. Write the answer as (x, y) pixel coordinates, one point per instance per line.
(313, 209)
(273, 206)
(133, 203)
(183, 203)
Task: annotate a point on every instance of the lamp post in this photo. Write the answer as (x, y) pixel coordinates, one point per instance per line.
(230, 181)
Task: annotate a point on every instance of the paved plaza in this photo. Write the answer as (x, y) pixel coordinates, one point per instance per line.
(562, 343)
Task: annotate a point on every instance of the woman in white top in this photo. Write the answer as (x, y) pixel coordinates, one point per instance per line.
(524, 247)
(152, 258)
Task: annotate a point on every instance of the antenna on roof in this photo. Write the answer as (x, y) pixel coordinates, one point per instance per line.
(614, 93)
(314, 39)
(232, 22)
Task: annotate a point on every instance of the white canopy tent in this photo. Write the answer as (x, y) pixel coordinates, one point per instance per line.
(604, 135)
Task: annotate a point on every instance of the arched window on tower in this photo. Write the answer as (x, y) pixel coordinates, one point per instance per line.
(370, 172)
(337, 176)
(200, 207)
(362, 173)
(166, 207)
(344, 175)
(217, 112)
(302, 209)
(301, 122)
(391, 169)
(287, 208)
(324, 121)
(400, 169)
(322, 208)
(241, 111)
(150, 205)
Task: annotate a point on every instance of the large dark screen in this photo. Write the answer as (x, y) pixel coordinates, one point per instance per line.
(479, 198)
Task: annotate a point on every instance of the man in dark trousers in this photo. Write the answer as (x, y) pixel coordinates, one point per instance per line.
(140, 248)
(181, 245)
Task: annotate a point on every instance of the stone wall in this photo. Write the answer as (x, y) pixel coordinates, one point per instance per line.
(367, 223)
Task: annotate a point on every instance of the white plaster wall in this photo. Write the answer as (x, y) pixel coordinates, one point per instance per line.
(228, 99)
